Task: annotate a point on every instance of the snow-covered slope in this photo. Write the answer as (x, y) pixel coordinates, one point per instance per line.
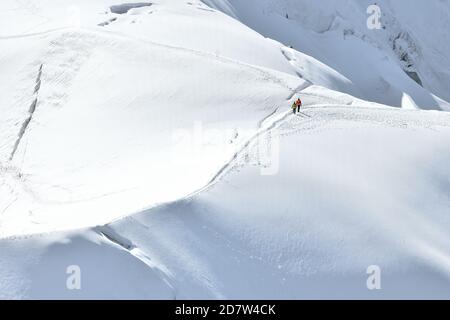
(357, 185)
(373, 63)
(95, 120)
(346, 196)
(152, 145)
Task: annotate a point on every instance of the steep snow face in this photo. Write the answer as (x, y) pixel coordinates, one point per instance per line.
(409, 50)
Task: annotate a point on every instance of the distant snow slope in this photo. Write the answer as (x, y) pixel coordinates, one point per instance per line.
(373, 63)
(152, 145)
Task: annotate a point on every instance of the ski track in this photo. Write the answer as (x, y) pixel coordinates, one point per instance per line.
(34, 34)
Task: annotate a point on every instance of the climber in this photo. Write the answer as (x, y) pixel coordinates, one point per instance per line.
(294, 106)
(298, 103)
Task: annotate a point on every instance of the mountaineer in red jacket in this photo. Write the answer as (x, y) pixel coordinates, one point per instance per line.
(298, 103)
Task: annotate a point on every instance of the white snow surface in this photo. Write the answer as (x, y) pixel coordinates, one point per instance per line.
(372, 62)
(152, 145)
